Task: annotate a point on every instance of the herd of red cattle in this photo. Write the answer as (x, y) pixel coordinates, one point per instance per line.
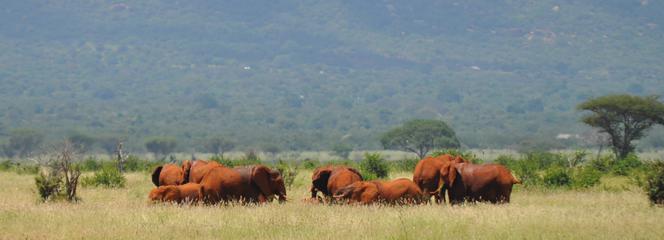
(211, 183)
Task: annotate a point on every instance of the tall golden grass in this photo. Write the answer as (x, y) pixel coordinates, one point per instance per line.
(126, 214)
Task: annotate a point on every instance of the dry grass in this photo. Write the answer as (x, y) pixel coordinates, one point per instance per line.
(125, 214)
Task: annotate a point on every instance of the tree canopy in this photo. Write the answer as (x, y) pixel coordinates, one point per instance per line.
(420, 136)
(624, 117)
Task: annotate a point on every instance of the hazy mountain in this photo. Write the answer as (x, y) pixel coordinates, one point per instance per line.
(307, 74)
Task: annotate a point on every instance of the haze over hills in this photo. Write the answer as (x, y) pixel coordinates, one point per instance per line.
(309, 74)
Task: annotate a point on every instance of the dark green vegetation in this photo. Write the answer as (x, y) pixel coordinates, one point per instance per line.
(108, 177)
(307, 75)
(58, 180)
(655, 183)
(624, 118)
(373, 166)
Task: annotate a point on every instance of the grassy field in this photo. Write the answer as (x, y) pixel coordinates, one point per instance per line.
(611, 211)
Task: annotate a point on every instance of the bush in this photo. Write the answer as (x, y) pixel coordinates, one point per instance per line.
(49, 186)
(507, 161)
(288, 172)
(624, 166)
(90, 164)
(654, 186)
(26, 168)
(577, 158)
(310, 164)
(373, 166)
(526, 170)
(586, 177)
(343, 162)
(135, 164)
(545, 160)
(557, 177)
(62, 177)
(223, 161)
(108, 177)
(603, 163)
(6, 165)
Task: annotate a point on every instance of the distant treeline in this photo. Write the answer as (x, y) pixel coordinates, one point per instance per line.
(310, 75)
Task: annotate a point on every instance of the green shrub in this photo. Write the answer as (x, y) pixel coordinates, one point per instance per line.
(603, 163)
(368, 176)
(372, 165)
(654, 186)
(343, 162)
(246, 161)
(586, 177)
(624, 166)
(108, 177)
(526, 171)
(6, 165)
(507, 161)
(577, 158)
(26, 168)
(557, 177)
(136, 164)
(90, 164)
(288, 172)
(545, 160)
(49, 186)
(223, 161)
(310, 164)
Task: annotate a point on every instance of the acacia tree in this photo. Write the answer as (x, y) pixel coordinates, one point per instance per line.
(624, 118)
(420, 136)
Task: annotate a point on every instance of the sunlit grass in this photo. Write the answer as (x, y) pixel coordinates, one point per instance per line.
(125, 214)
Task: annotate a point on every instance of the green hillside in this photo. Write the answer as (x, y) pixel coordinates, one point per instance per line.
(309, 74)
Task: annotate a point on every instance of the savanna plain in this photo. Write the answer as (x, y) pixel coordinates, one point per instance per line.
(615, 209)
